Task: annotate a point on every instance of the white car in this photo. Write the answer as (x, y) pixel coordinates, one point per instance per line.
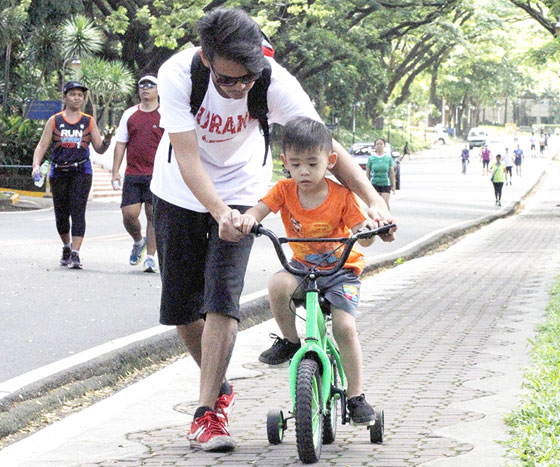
(477, 137)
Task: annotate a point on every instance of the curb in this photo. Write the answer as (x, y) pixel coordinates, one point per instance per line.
(29, 403)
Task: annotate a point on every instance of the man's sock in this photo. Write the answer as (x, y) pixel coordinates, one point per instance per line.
(225, 388)
(201, 411)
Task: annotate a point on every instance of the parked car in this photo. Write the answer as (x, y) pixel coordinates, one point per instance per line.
(477, 137)
(437, 135)
(361, 152)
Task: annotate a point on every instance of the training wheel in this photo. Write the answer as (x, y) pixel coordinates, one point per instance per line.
(378, 428)
(275, 426)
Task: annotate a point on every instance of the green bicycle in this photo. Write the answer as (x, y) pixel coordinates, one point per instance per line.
(316, 375)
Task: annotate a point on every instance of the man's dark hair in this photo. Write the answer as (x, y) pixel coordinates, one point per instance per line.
(232, 34)
(303, 134)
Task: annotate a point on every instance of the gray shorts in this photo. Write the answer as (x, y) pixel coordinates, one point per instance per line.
(341, 290)
(199, 272)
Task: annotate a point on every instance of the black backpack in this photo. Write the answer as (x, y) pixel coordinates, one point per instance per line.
(256, 99)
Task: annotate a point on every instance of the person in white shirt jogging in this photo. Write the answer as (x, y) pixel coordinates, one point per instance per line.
(208, 170)
(139, 135)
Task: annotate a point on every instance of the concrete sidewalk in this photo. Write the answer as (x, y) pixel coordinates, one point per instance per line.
(445, 344)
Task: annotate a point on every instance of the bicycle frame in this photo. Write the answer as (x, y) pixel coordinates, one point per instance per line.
(318, 343)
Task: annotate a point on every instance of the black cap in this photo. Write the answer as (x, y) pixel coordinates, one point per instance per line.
(73, 85)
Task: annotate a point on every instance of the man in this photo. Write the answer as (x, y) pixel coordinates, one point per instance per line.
(208, 170)
(139, 135)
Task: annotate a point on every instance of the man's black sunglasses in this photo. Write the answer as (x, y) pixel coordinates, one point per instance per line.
(147, 85)
(228, 81)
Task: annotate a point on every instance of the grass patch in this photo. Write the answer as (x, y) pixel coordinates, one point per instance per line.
(535, 425)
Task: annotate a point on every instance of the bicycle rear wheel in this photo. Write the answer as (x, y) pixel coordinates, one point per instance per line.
(330, 419)
(309, 419)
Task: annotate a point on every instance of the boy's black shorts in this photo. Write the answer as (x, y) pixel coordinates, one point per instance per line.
(136, 190)
(199, 272)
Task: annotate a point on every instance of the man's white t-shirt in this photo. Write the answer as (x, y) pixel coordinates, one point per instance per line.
(230, 142)
(508, 161)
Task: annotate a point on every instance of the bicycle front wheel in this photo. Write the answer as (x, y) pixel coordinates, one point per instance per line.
(309, 419)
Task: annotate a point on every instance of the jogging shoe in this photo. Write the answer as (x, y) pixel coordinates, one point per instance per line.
(281, 351)
(137, 253)
(66, 253)
(209, 434)
(75, 262)
(150, 265)
(361, 413)
(224, 406)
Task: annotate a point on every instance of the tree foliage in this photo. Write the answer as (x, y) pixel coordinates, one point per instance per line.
(381, 54)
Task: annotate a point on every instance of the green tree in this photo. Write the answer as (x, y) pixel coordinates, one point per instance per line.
(108, 81)
(12, 27)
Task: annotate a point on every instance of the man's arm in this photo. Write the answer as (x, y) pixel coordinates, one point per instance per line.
(118, 157)
(185, 146)
(350, 174)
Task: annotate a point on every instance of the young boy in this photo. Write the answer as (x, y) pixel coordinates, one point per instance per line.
(314, 206)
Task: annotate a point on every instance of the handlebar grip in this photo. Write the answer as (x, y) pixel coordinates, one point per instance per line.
(256, 229)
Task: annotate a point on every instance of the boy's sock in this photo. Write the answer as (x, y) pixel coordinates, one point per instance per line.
(140, 242)
(67, 245)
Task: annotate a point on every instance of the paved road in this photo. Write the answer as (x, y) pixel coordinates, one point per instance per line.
(56, 313)
(445, 344)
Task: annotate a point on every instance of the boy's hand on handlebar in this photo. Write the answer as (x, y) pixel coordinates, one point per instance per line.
(247, 223)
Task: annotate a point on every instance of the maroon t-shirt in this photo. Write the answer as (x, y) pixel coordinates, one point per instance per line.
(141, 132)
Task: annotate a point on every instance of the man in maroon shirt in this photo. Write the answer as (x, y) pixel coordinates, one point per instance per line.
(139, 134)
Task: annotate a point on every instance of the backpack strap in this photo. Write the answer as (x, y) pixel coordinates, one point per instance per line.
(258, 105)
(256, 100)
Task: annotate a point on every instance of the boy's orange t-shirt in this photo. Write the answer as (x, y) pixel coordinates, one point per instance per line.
(333, 218)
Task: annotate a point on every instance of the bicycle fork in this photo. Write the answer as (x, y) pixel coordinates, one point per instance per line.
(316, 345)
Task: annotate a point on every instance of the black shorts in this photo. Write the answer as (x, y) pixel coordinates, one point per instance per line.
(199, 272)
(136, 190)
(485, 163)
(509, 169)
(382, 189)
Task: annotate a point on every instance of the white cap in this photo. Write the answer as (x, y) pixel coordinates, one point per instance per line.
(150, 78)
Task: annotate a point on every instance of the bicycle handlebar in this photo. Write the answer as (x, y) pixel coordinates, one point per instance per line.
(277, 242)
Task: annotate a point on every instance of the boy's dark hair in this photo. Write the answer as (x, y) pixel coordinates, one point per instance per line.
(302, 134)
(232, 34)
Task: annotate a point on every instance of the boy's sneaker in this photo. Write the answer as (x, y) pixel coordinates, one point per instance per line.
(75, 262)
(281, 351)
(361, 413)
(150, 265)
(66, 253)
(137, 253)
(224, 406)
(209, 434)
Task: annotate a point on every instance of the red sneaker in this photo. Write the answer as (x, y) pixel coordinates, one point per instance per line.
(210, 434)
(224, 406)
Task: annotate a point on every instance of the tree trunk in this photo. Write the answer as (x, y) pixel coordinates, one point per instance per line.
(7, 76)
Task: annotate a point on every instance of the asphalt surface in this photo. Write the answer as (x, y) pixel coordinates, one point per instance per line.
(445, 341)
(59, 318)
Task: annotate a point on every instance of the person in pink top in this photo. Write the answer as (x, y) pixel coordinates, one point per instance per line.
(485, 156)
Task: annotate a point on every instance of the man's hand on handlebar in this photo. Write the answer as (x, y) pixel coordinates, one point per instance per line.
(379, 221)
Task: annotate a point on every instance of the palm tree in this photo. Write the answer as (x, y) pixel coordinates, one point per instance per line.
(108, 81)
(44, 53)
(80, 38)
(12, 27)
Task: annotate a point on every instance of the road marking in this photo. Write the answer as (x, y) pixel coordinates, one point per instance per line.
(14, 384)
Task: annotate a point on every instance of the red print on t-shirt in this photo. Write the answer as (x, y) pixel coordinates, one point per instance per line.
(215, 123)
